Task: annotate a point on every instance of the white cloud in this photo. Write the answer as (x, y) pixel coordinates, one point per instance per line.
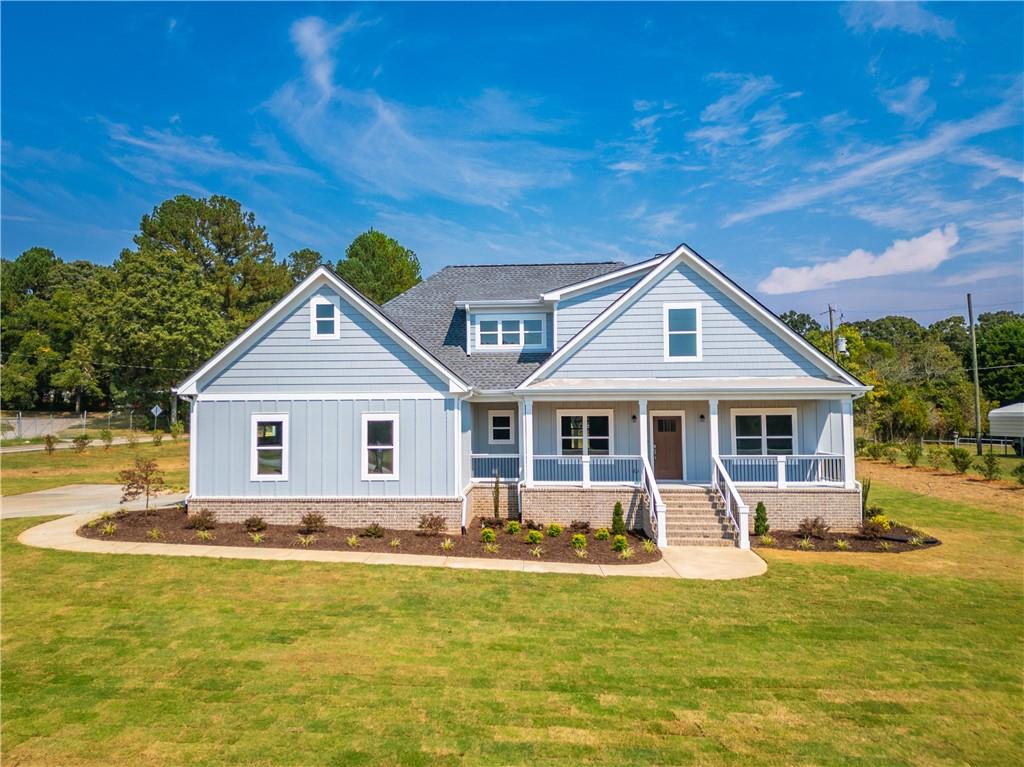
(732, 105)
(921, 254)
(910, 102)
(985, 273)
(999, 167)
(726, 121)
(905, 17)
(660, 223)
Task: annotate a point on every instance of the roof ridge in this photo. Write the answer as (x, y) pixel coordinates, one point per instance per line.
(540, 263)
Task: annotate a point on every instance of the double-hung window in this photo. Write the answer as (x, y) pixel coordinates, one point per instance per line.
(682, 331)
(501, 427)
(764, 432)
(510, 332)
(583, 432)
(269, 459)
(380, 446)
(324, 320)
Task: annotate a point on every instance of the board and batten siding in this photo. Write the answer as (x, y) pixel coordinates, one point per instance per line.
(481, 428)
(325, 452)
(819, 423)
(576, 312)
(734, 342)
(625, 436)
(285, 359)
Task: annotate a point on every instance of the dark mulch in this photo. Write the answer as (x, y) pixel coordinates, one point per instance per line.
(170, 521)
(898, 539)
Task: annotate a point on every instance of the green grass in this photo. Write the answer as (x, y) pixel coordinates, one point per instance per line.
(25, 472)
(835, 659)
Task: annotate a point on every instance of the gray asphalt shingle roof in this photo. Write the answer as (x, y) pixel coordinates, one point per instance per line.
(427, 312)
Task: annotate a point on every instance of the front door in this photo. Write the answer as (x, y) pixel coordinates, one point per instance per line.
(668, 447)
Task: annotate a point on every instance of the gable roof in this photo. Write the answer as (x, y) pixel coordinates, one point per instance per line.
(430, 314)
(322, 276)
(684, 254)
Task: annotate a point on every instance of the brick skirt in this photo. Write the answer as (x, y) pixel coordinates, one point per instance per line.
(394, 513)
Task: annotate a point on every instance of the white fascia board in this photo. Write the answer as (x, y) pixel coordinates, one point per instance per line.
(322, 274)
(491, 303)
(593, 282)
(654, 395)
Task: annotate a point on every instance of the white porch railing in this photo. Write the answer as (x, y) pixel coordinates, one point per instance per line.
(783, 470)
(654, 522)
(587, 469)
(485, 465)
(734, 505)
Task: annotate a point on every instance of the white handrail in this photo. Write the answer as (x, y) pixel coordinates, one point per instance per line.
(656, 513)
(723, 483)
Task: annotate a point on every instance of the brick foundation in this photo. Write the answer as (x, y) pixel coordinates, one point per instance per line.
(838, 507)
(593, 504)
(395, 513)
(481, 501)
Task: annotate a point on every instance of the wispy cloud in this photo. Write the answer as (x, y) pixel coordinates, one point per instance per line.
(910, 101)
(921, 254)
(998, 167)
(727, 121)
(902, 16)
(668, 222)
(992, 272)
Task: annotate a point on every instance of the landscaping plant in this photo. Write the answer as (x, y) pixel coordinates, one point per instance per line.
(512, 527)
(579, 526)
(256, 538)
(813, 528)
(177, 429)
(618, 520)
(204, 535)
(306, 540)
(200, 520)
(372, 530)
(312, 522)
(579, 541)
(432, 524)
(760, 519)
(619, 543)
(649, 546)
(447, 545)
(107, 437)
(353, 542)
(989, 466)
(491, 548)
(154, 534)
(841, 544)
(109, 528)
(49, 443)
(487, 535)
(913, 451)
(627, 553)
(395, 543)
(806, 544)
(536, 552)
(767, 540)
(960, 457)
(496, 493)
(157, 438)
(144, 478)
(81, 442)
(554, 530)
(865, 491)
(255, 524)
(1018, 472)
(935, 458)
(534, 536)
(601, 534)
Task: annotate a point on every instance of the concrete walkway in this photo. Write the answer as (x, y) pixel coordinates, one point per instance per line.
(75, 499)
(705, 563)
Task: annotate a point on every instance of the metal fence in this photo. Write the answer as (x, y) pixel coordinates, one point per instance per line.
(21, 424)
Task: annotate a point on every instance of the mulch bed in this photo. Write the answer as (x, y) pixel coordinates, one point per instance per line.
(170, 521)
(896, 540)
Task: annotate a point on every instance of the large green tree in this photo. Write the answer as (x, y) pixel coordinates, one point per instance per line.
(1000, 338)
(801, 322)
(302, 263)
(379, 267)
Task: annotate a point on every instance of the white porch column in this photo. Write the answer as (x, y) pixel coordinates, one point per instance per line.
(526, 435)
(193, 446)
(848, 444)
(713, 428)
(645, 448)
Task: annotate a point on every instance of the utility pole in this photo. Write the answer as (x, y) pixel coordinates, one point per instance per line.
(974, 367)
(832, 331)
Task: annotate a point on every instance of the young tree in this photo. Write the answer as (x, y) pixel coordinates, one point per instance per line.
(144, 478)
(379, 267)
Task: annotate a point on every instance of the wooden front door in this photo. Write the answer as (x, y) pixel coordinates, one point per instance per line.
(668, 447)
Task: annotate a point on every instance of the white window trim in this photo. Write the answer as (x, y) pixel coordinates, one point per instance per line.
(500, 346)
(586, 428)
(314, 302)
(665, 332)
(364, 469)
(253, 455)
(764, 411)
(511, 429)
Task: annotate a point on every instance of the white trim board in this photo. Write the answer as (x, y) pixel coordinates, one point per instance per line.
(283, 395)
(582, 287)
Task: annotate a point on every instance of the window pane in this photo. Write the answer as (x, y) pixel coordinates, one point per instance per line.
(780, 446)
(748, 446)
(488, 339)
(488, 326)
(325, 327)
(510, 326)
(501, 434)
(599, 446)
(270, 462)
(380, 433)
(666, 425)
(572, 425)
(572, 445)
(779, 425)
(380, 461)
(682, 319)
(325, 311)
(748, 426)
(597, 426)
(501, 421)
(532, 326)
(533, 339)
(269, 433)
(682, 345)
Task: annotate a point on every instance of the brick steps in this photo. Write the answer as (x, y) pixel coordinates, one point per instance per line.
(696, 517)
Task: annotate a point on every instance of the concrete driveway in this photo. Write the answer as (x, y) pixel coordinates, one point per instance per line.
(74, 499)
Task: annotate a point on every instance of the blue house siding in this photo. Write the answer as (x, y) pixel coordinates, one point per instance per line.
(285, 359)
(576, 312)
(819, 423)
(625, 436)
(735, 343)
(481, 428)
(324, 448)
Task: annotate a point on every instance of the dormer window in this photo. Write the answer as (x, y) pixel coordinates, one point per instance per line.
(324, 322)
(510, 332)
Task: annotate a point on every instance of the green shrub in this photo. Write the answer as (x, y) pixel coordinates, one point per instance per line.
(107, 438)
(49, 443)
(813, 528)
(512, 527)
(372, 530)
(447, 545)
(312, 522)
(649, 546)
(204, 535)
(960, 457)
(255, 524)
(109, 529)
(256, 537)
(760, 519)
(305, 540)
(432, 524)
(806, 544)
(554, 530)
(875, 526)
(81, 442)
(989, 466)
(913, 451)
(627, 553)
(916, 540)
(158, 437)
(618, 520)
(133, 439)
(841, 544)
(602, 534)
(1018, 472)
(935, 458)
(767, 540)
(579, 541)
(534, 536)
(619, 543)
(353, 542)
(200, 520)
(177, 429)
(154, 534)
(884, 545)
(487, 535)
(890, 453)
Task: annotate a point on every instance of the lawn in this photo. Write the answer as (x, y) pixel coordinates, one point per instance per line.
(830, 658)
(25, 472)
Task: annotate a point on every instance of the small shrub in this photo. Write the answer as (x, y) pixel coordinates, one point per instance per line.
(157, 438)
(49, 443)
(107, 438)
(806, 544)
(372, 530)
(619, 543)
(154, 534)
(533, 536)
(602, 534)
(960, 457)
(618, 521)
(494, 523)
(513, 527)
(627, 553)
(447, 545)
(353, 542)
(913, 451)
(255, 524)
(200, 520)
(536, 552)
(133, 439)
(532, 524)
(579, 541)
(841, 544)
(760, 519)
(890, 453)
(312, 522)
(256, 537)
(177, 429)
(767, 540)
(395, 543)
(106, 516)
(916, 540)
(579, 526)
(109, 529)
(432, 524)
(305, 540)
(649, 546)
(204, 535)
(813, 528)
(1018, 472)
(81, 442)
(581, 553)
(935, 459)
(491, 548)
(487, 535)
(885, 545)
(554, 530)
(989, 466)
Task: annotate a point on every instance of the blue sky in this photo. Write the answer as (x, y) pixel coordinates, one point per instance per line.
(868, 155)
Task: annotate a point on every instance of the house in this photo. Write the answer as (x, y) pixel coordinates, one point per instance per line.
(660, 384)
